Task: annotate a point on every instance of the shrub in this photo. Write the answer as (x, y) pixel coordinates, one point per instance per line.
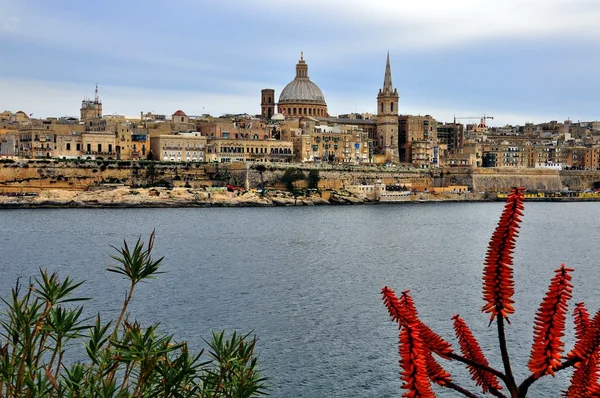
(42, 320)
(290, 176)
(418, 342)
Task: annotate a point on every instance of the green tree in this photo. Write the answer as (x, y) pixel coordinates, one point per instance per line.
(290, 176)
(313, 178)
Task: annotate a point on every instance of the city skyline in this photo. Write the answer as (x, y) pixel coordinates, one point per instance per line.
(519, 61)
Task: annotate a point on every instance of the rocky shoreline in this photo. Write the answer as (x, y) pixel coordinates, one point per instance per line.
(125, 197)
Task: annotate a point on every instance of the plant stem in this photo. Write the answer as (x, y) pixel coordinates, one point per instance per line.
(464, 360)
(460, 390)
(510, 380)
(128, 370)
(125, 304)
(533, 377)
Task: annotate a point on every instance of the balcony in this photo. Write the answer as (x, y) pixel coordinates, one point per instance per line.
(102, 153)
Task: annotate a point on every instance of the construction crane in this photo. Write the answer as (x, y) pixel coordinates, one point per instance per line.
(482, 124)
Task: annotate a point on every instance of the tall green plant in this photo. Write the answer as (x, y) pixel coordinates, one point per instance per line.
(418, 342)
(124, 359)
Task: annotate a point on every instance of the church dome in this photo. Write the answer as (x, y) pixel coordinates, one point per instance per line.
(301, 97)
(302, 90)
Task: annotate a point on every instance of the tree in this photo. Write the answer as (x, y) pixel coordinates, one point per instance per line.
(42, 320)
(418, 342)
(290, 176)
(313, 178)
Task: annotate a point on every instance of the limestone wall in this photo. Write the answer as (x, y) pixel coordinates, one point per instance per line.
(36, 175)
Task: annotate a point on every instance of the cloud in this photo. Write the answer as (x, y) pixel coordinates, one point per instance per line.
(9, 24)
(434, 24)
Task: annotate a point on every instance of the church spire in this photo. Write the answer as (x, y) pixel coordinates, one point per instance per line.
(387, 80)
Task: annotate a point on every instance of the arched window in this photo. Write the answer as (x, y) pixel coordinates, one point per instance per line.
(310, 111)
(392, 107)
(294, 111)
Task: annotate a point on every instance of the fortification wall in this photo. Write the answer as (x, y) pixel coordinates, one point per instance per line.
(36, 175)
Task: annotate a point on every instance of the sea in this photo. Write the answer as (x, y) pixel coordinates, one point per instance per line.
(307, 280)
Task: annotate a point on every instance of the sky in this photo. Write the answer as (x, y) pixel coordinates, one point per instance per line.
(515, 60)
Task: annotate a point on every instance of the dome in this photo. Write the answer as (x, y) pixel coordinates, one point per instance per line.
(179, 113)
(278, 117)
(302, 90)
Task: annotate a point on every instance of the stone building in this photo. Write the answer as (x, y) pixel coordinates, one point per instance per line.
(415, 128)
(98, 145)
(231, 150)
(91, 109)
(179, 147)
(333, 140)
(386, 136)
(302, 97)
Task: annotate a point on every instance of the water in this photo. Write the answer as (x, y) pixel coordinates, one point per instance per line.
(307, 280)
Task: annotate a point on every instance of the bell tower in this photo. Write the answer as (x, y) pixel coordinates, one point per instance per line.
(267, 103)
(386, 137)
(91, 109)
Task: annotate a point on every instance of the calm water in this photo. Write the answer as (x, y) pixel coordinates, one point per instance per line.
(308, 280)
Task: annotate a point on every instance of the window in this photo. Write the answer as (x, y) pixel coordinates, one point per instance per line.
(78, 147)
(392, 107)
(68, 146)
(381, 107)
(109, 147)
(99, 147)
(89, 147)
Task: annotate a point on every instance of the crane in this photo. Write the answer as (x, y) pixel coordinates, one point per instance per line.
(482, 124)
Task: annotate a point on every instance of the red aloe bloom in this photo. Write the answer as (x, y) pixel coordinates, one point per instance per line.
(582, 320)
(498, 283)
(584, 382)
(436, 373)
(391, 302)
(549, 328)
(590, 342)
(404, 311)
(432, 340)
(413, 363)
(471, 350)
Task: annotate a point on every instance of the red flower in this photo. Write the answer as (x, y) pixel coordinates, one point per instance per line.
(582, 320)
(584, 382)
(549, 326)
(413, 363)
(404, 311)
(588, 345)
(436, 373)
(498, 283)
(391, 302)
(471, 350)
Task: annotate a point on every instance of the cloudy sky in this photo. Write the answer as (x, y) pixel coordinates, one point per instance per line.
(517, 60)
